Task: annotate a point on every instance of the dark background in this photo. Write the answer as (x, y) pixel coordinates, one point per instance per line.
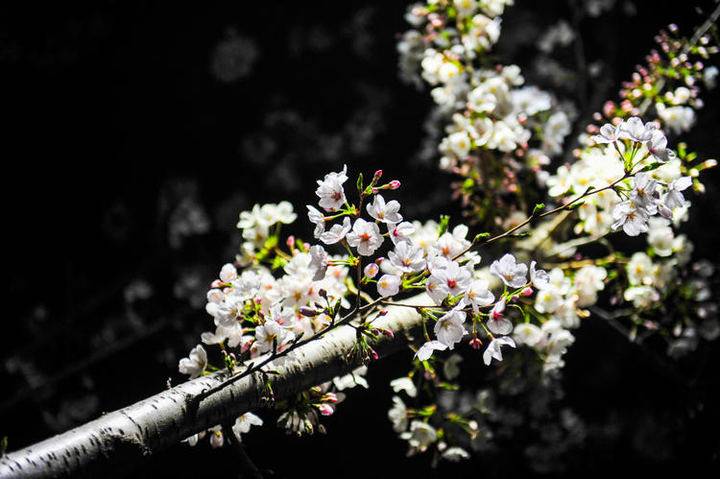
(136, 132)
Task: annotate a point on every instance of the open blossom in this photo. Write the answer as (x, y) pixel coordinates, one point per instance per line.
(384, 212)
(388, 285)
(228, 273)
(450, 328)
(608, 134)
(634, 129)
(511, 273)
(407, 257)
(318, 219)
(538, 277)
(401, 232)
(452, 280)
(494, 351)
(365, 236)
(244, 423)
(528, 334)
(420, 436)
(318, 262)
(478, 294)
(404, 384)
(644, 192)
(196, 362)
(630, 217)
(426, 350)
(271, 332)
(398, 415)
(497, 323)
(674, 197)
(337, 232)
(657, 146)
(330, 190)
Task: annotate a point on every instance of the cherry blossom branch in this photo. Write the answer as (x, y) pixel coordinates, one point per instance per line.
(477, 241)
(118, 441)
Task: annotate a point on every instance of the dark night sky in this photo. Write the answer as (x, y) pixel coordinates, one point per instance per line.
(115, 114)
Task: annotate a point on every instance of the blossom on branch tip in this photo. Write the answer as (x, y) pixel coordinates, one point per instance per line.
(384, 212)
(330, 190)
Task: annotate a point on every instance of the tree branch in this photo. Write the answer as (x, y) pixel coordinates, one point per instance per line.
(117, 442)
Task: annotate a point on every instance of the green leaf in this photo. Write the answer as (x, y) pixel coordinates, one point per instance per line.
(443, 226)
(538, 207)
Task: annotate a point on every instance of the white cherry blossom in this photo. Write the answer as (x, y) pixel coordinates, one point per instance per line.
(330, 190)
(478, 294)
(509, 271)
(426, 350)
(337, 232)
(493, 351)
(450, 328)
(384, 212)
(407, 257)
(196, 362)
(388, 285)
(364, 236)
(630, 217)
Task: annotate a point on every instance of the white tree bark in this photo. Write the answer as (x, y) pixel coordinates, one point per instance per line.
(116, 442)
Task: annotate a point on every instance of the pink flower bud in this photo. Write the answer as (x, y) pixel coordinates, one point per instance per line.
(326, 409)
(375, 356)
(527, 292)
(371, 270)
(330, 397)
(378, 174)
(475, 343)
(217, 284)
(394, 184)
(290, 242)
(382, 313)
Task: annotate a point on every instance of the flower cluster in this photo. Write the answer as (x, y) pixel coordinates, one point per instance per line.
(496, 129)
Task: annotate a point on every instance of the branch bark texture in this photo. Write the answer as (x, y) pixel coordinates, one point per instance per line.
(117, 442)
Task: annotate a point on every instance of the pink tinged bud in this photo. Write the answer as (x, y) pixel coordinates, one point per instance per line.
(382, 313)
(375, 356)
(330, 397)
(388, 332)
(326, 409)
(475, 343)
(498, 309)
(378, 174)
(217, 284)
(394, 184)
(290, 241)
(371, 270)
(527, 292)
(375, 190)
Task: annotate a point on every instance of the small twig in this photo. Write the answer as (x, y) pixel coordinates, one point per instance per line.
(248, 469)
